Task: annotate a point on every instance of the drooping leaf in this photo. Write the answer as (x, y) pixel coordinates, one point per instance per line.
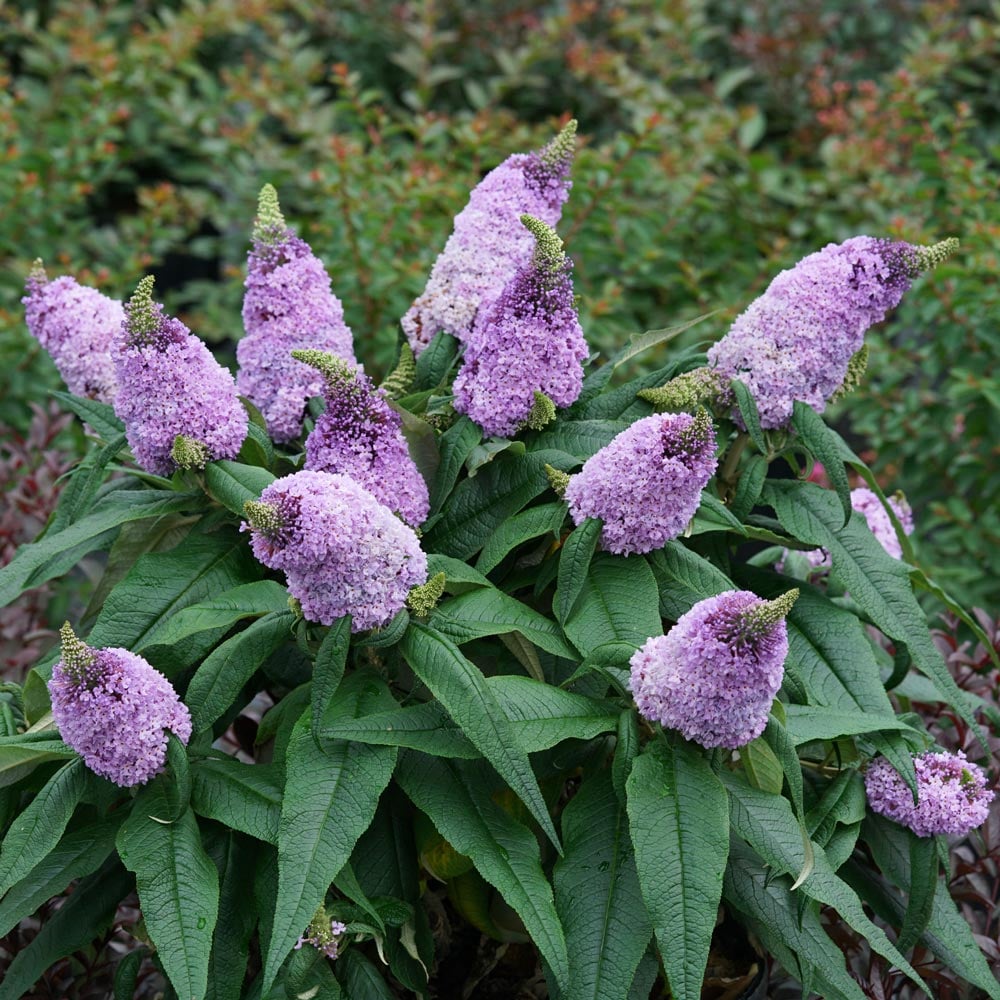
(462, 690)
(99, 416)
(456, 797)
(178, 887)
(597, 894)
(233, 483)
(747, 407)
(684, 578)
(245, 797)
(79, 493)
(574, 563)
(19, 757)
(822, 442)
(328, 670)
(227, 965)
(679, 821)
(532, 523)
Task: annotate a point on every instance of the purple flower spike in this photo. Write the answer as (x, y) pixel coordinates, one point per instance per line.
(179, 404)
(530, 343)
(714, 676)
(360, 435)
(796, 340)
(288, 306)
(952, 796)
(487, 245)
(646, 484)
(114, 710)
(341, 550)
(77, 326)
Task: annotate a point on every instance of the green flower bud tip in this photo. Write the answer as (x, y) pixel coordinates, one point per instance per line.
(929, 257)
(549, 256)
(189, 453)
(542, 413)
(142, 317)
(269, 226)
(294, 604)
(423, 599)
(558, 480)
(684, 392)
(762, 617)
(562, 147)
(699, 431)
(76, 654)
(398, 382)
(336, 371)
(856, 369)
(262, 517)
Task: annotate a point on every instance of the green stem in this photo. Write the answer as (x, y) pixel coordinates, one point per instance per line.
(727, 474)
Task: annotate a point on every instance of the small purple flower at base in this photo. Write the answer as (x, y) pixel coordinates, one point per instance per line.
(530, 342)
(341, 550)
(323, 934)
(646, 484)
(115, 710)
(288, 306)
(169, 384)
(360, 435)
(487, 245)
(796, 341)
(952, 797)
(714, 676)
(77, 326)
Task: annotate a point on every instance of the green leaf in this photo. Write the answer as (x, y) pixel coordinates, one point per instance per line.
(233, 483)
(227, 964)
(793, 934)
(460, 576)
(478, 507)
(488, 611)
(462, 689)
(330, 798)
(574, 563)
(762, 766)
(100, 416)
(88, 911)
(456, 797)
(78, 494)
(767, 823)
(177, 782)
(455, 445)
(713, 515)
(421, 442)
(597, 894)
(178, 888)
(806, 723)
(679, 818)
(684, 578)
(246, 797)
(843, 803)
(626, 751)
(435, 361)
(619, 602)
(534, 522)
(751, 481)
(747, 406)
(923, 883)
(579, 438)
(78, 854)
(248, 600)
(877, 582)
(257, 448)
(127, 974)
(221, 675)
(55, 554)
(328, 670)
(426, 727)
(19, 757)
(361, 979)
(823, 444)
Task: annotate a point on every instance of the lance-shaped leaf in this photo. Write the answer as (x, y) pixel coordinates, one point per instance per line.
(679, 819)
(534, 522)
(245, 797)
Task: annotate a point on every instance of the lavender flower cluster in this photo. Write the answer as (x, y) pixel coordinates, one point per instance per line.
(487, 246)
(714, 676)
(341, 550)
(76, 325)
(288, 306)
(170, 385)
(952, 797)
(796, 340)
(646, 484)
(102, 693)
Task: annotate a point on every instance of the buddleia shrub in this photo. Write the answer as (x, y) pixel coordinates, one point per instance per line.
(509, 620)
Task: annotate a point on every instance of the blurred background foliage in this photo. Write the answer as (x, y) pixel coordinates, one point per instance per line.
(721, 141)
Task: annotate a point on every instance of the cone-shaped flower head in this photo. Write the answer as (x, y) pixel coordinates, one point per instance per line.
(529, 344)
(115, 710)
(796, 340)
(288, 305)
(487, 245)
(714, 676)
(77, 326)
(867, 503)
(952, 796)
(360, 435)
(169, 384)
(646, 484)
(341, 550)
